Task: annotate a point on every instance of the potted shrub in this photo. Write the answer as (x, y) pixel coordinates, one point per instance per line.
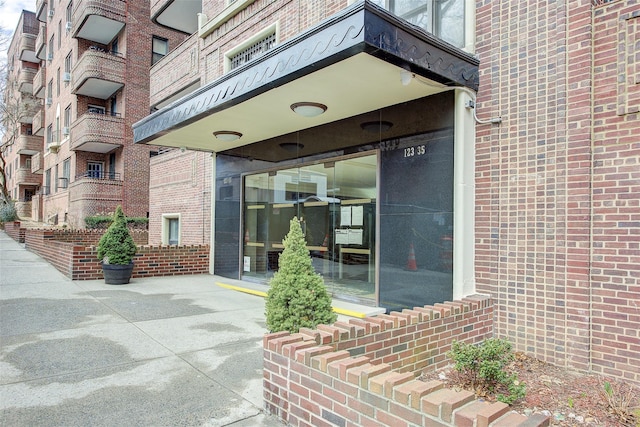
(297, 295)
(116, 250)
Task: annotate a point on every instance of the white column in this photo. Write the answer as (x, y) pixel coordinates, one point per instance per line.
(464, 198)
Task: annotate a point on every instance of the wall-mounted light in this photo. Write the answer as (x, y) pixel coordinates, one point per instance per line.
(227, 135)
(291, 147)
(308, 109)
(376, 127)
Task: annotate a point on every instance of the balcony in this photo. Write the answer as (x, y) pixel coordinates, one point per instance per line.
(98, 74)
(97, 133)
(175, 75)
(181, 15)
(37, 123)
(42, 10)
(39, 83)
(53, 142)
(28, 144)
(41, 43)
(101, 191)
(24, 176)
(98, 20)
(25, 79)
(28, 47)
(37, 163)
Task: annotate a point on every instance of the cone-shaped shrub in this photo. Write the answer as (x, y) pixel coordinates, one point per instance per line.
(297, 296)
(116, 245)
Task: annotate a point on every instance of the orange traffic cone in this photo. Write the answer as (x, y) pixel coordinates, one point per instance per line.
(246, 236)
(325, 241)
(411, 262)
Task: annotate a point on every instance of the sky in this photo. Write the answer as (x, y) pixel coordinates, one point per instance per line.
(10, 14)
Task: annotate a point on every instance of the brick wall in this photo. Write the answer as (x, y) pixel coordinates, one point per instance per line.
(321, 378)
(187, 174)
(14, 231)
(556, 183)
(74, 254)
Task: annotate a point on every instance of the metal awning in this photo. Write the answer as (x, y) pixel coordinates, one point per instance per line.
(352, 63)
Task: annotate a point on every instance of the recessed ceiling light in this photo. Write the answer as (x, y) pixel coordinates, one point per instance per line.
(291, 146)
(376, 127)
(308, 109)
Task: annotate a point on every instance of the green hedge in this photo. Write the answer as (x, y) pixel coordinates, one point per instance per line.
(102, 222)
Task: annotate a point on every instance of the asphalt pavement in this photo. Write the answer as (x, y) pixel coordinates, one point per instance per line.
(161, 351)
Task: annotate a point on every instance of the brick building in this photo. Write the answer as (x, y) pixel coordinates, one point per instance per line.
(452, 148)
(93, 83)
(19, 144)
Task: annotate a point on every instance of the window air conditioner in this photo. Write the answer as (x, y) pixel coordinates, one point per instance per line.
(49, 101)
(68, 26)
(65, 130)
(63, 182)
(51, 13)
(66, 77)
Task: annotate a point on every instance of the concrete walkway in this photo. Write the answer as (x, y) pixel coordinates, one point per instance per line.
(165, 351)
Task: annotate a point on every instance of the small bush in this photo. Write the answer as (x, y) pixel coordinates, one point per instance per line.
(297, 295)
(484, 368)
(8, 212)
(623, 401)
(116, 245)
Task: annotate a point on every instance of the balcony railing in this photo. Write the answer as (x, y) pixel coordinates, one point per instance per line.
(39, 83)
(98, 74)
(28, 144)
(37, 163)
(112, 176)
(98, 20)
(98, 133)
(41, 43)
(181, 65)
(25, 79)
(37, 123)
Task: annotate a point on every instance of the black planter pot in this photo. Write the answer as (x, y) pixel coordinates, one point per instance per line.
(117, 274)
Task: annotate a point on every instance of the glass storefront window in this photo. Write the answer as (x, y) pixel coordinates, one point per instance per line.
(336, 202)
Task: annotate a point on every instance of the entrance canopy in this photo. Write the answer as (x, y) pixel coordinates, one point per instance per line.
(362, 59)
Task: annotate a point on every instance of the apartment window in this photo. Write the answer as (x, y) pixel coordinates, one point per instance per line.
(253, 49)
(50, 92)
(96, 109)
(66, 173)
(47, 182)
(58, 82)
(443, 18)
(159, 48)
(69, 11)
(67, 63)
(114, 45)
(95, 169)
(171, 229)
(67, 116)
(50, 52)
(113, 105)
(49, 134)
(27, 163)
(59, 34)
(55, 178)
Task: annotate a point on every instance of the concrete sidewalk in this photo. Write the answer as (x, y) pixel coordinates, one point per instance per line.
(165, 351)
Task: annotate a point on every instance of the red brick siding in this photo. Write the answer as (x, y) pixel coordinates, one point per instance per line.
(557, 197)
(14, 231)
(181, 183)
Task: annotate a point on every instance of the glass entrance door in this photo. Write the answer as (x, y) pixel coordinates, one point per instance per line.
(336, 203)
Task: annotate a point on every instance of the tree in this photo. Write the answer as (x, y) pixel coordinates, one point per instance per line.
(297, 295)
(116, 245)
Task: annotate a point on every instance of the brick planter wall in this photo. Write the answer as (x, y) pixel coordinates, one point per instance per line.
(14, 231)
(74, 254)
(362, 373)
